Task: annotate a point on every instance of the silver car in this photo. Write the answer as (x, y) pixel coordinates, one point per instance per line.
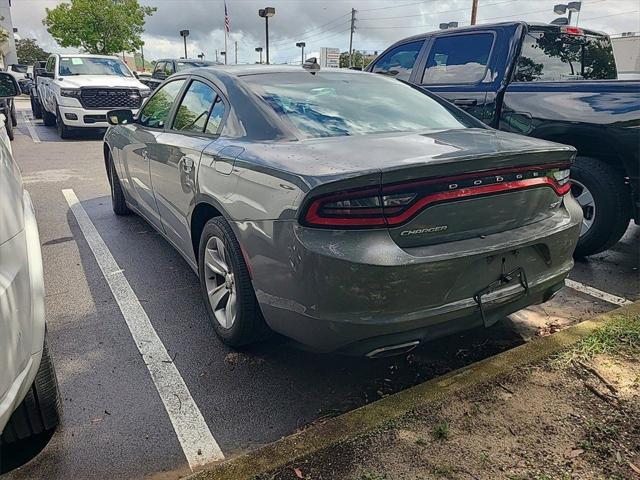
(29, 398)
(346, 210)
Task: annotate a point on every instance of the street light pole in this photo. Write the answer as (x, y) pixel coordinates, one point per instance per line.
(301, 45)
(265, 13)
(184, 34)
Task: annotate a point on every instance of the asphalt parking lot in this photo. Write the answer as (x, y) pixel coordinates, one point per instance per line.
(114, 423)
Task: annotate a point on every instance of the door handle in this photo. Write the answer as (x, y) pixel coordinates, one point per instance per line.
(187, 164)
(465, 102)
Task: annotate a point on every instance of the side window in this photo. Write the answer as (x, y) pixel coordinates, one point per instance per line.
(458, 59)
(51, 63)
(194, 109)
(159, 68)
(168, 68)
(216, 116)
(157, 108)
(399, 61)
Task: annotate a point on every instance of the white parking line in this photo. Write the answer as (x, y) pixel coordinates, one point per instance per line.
(196, 440)
(31, 128)
(594, 292)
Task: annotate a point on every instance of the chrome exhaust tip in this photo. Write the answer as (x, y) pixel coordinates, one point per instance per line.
(391, 350)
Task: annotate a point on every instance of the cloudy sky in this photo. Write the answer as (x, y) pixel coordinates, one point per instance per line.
(322, 23)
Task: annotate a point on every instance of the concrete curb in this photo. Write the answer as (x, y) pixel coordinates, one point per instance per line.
(368, 417)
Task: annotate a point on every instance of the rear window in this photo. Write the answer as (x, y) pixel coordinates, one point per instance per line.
(458, 59)
(558, 57)
(328, 104)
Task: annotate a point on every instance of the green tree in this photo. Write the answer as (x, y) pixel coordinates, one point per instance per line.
(98, 26)
(29, 52)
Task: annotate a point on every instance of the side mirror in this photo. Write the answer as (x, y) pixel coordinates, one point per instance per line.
(39, 72)
(135, 74)
(120, 117)
(8, 86)
(46, 74)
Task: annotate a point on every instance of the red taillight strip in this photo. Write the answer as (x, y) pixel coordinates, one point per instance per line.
(475, 191)
(480, 173)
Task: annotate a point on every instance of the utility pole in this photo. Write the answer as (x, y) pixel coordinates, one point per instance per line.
(353, 28)
(236, 52)
(216, 55)
(474, 11)
(142, 55)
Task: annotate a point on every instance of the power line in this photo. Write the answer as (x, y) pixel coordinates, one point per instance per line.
(294, 39)
(306, 32)
(433, 13)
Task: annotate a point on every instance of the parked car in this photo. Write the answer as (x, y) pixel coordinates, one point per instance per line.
(36, 107)
(346, 210)
(29, 398)
(18, 71)
(168, 66)
(546, 81)
(76, 91)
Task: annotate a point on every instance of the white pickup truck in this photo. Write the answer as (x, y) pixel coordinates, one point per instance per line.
(76, 91)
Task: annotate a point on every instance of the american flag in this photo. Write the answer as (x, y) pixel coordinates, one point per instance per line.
(227, 23)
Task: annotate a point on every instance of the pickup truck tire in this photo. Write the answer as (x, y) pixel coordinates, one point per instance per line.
(9, 125)
(48, 118)
(612, 213)
(118, 202)
(40, 410)
(63, 130)
(14, 115)
(36, 108)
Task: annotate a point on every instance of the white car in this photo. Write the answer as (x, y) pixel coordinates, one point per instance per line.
(29, 398)
(76, 91)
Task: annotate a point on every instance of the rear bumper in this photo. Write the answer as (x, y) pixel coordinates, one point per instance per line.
(357, 291)
(78, 117)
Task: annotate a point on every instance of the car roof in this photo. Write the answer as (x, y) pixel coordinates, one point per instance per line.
(257, 69)
(471, 28)
(86, 55)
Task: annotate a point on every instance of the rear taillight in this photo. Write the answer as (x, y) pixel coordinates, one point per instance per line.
(395, 204)
(572, 30)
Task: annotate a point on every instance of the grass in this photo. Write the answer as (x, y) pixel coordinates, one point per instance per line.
(619, 336)
(441, 430)
(368, 475)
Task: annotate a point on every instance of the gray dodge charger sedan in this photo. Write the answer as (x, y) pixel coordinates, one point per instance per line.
(346, 210)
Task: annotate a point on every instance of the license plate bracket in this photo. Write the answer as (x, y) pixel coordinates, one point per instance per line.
(505, 281)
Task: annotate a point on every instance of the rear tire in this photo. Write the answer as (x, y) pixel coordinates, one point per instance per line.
(610, 212)
(48, 118)
(118, 201)
(14, 115)
(41, 409)
(36, 108)
(9, 126)
(247, 324)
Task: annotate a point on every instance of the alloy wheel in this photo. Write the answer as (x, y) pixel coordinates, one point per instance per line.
(220, 282)
(588, 204)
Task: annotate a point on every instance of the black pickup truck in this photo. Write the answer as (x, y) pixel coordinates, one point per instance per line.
(547, 81)
(168, 66)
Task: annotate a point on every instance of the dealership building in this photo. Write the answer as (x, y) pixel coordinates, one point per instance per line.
(7, 49)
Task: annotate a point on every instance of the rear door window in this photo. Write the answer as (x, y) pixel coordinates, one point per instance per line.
(193, 112)
(457, 59)
(558, 57)
(216, 116)
(399, 61)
